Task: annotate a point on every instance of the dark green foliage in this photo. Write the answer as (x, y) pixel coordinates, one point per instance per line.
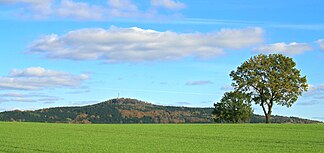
(121, 110)
(234, 107)
(270, 79)
(282, 119)
(127, 111)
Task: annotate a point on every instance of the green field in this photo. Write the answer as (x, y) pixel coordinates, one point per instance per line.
(46, 137)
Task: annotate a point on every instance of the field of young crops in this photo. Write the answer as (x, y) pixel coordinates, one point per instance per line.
(46, 137)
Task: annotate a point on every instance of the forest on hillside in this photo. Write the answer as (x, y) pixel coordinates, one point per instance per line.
(126, 110)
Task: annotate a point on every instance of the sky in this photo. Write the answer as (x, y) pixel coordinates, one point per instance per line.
(169, 52)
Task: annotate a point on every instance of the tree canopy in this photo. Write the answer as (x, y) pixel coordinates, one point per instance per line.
(269, 79)
(234, 107)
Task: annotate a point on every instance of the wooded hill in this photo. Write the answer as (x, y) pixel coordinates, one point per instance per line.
(126, 110)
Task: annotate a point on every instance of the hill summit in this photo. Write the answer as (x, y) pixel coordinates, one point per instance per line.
(125, 110)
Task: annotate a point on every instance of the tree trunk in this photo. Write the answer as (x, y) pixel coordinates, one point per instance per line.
(267, 114)
(267, 118)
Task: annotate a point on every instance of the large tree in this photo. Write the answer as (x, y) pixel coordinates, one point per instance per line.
(270, 79)
(234, 107)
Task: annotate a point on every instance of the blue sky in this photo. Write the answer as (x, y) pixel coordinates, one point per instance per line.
(168, 52)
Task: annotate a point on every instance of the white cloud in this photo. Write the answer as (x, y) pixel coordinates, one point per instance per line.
(200, 82)
(79, 10)
(37, 78)
(128, 9)
(12, 94)
(27, 97)
(314, 95)
(169, 4)
(24, 1)
(314, 91)
(136, 44)
(122, 5)
(35, 72)
(237, 38)
(321, 44)
(64, 8)
(85, 10)
(312, 88)
(18, 99)
(49, 99)
(16, 94)
(122, 8)
(283, 48)
(40, 8)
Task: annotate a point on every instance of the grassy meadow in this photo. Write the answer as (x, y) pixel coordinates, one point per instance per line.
(46, 137)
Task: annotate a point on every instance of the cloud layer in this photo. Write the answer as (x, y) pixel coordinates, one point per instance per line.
(283, 48)
(85, 11)
(314, 95)
(39, 8)
(136, 44)
(38, 78)
(313, 88)
(170, 4)
(29, 97)
(79, 10)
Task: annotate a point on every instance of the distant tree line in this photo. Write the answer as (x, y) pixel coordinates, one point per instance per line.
(125, 110)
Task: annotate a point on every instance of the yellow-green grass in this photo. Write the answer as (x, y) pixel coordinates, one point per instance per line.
(49, 137)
